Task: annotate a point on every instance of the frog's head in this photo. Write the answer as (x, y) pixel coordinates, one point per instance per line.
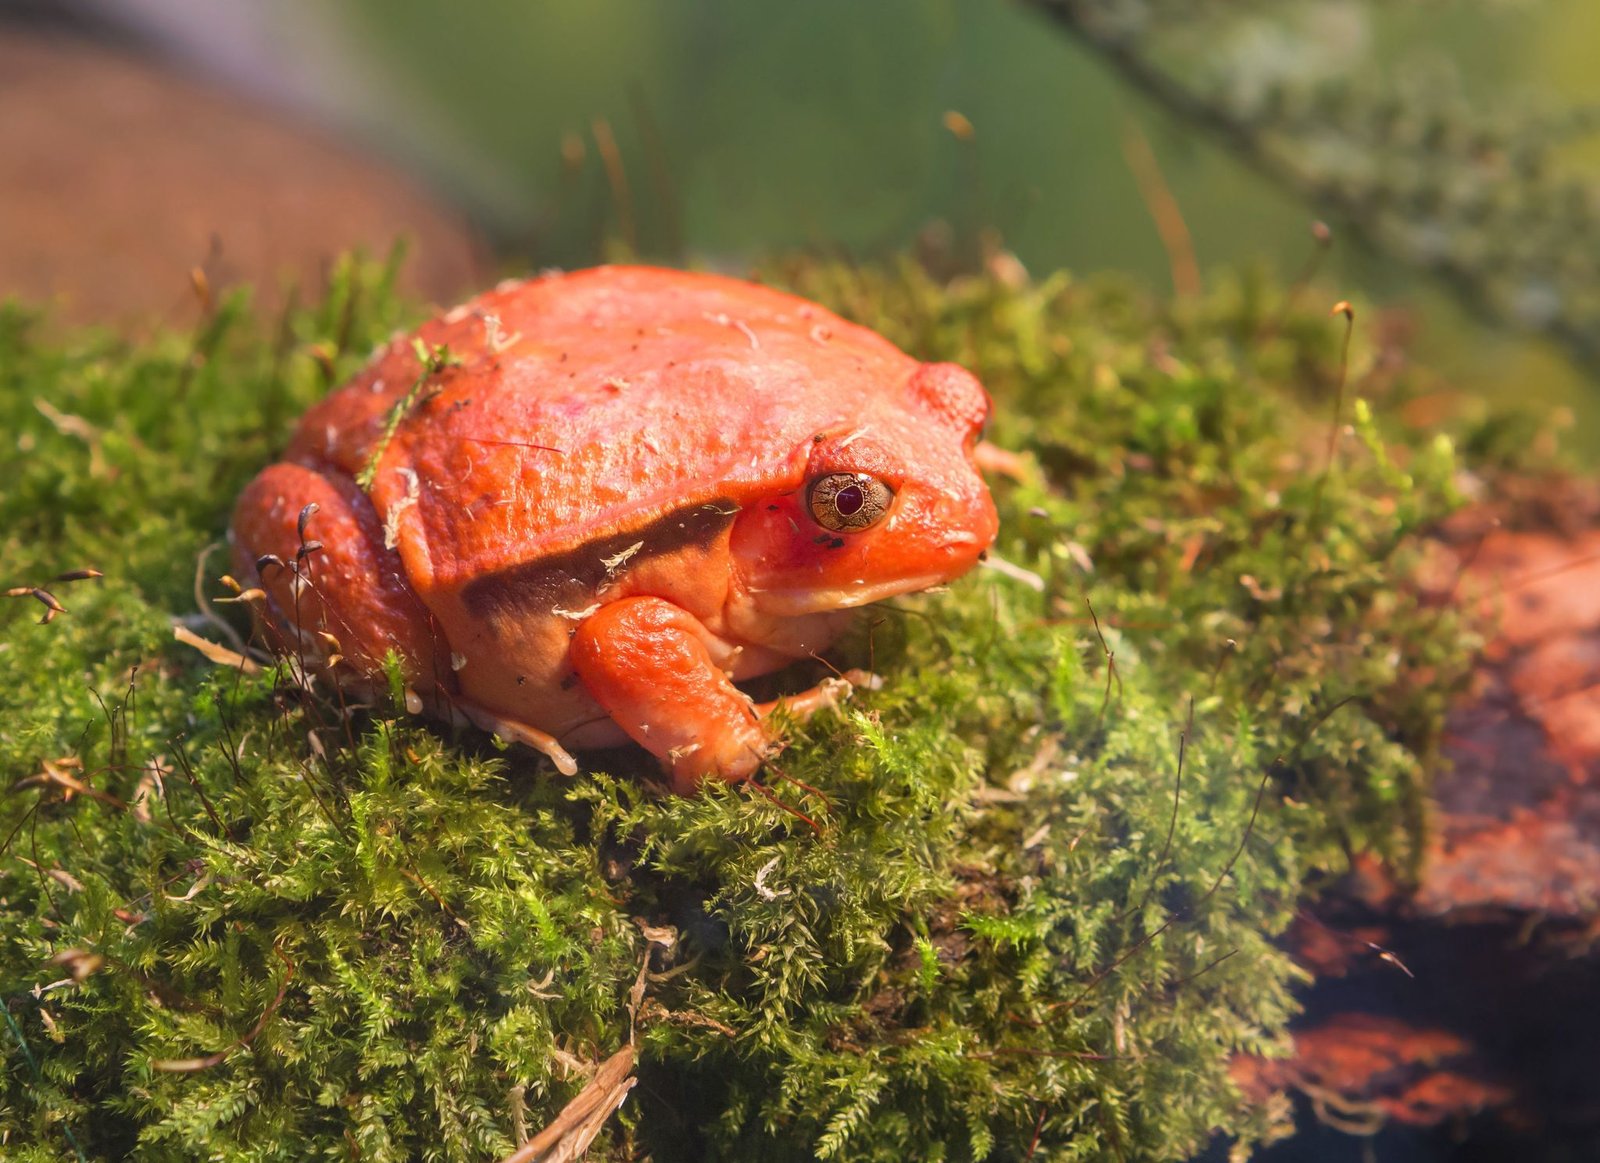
(888, 502)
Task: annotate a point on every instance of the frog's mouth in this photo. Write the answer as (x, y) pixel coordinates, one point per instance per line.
(795, 603)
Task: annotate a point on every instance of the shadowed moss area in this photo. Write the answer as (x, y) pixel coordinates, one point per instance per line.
(1017, 904)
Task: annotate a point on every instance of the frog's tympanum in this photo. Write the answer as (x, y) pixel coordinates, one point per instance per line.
(583, 507)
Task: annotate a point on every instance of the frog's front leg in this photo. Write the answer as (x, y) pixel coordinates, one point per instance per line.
(649, 664)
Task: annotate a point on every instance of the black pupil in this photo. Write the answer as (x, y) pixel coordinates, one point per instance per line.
(849, 500)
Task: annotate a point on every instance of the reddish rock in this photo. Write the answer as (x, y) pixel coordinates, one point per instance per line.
(1470, 993)
(1361, 1071)
(1518, 822)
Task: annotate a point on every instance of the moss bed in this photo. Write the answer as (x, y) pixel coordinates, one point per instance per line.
(1018, 904)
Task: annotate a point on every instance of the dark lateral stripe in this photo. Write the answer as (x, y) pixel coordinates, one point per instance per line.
(572, 576)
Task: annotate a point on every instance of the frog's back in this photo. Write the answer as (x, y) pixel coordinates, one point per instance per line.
(588, 407)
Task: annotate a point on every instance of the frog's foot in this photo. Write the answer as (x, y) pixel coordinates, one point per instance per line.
(332, 587)
(649, 664)
(830, 692)
(514, 732)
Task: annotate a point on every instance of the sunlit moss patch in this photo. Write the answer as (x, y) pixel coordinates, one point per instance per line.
(1018, 903)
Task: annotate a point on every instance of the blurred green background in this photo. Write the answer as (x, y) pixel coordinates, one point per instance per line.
(746, 128)
(723, 131)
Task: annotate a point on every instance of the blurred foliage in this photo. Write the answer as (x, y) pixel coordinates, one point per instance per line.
(1446, 134)
(1017, 904)
(1475, 195)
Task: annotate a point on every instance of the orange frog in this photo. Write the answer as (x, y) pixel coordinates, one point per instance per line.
(580, 508)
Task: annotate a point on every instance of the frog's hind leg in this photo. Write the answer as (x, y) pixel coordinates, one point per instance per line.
(332, 586)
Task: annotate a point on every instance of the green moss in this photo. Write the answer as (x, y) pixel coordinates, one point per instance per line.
(1019, 903)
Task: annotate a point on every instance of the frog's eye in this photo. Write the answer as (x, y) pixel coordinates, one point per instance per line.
(848, 502)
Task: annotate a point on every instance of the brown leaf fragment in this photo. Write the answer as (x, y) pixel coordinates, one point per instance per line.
(571, 1132)
(218, 654)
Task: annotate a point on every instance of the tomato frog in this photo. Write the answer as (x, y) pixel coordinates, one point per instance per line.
(581, 508)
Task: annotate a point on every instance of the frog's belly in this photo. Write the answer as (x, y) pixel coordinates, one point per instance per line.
(521, 670)
(510, 633)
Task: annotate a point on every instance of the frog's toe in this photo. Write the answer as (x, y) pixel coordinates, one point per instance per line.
(830, 692)
(514, 732)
